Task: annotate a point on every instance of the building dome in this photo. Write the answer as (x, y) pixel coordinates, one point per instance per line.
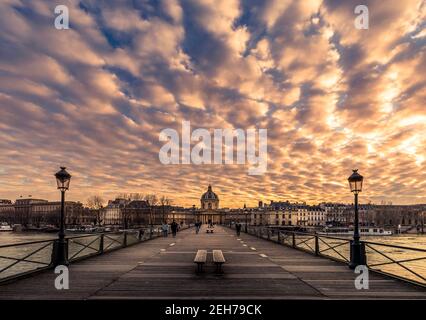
(209, 195)
(209, 200)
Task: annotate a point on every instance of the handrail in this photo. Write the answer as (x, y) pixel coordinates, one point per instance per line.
(69, 237)
(24, 243)
(393, 246)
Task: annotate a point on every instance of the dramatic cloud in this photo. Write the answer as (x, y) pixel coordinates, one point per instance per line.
(96, 97)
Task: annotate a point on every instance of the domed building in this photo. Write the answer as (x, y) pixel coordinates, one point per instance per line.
(209, 200)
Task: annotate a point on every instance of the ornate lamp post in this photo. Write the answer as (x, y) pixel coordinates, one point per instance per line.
(60, 248)
(357, 248)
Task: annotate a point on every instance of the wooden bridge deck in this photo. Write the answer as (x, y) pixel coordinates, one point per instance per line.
(164, 268)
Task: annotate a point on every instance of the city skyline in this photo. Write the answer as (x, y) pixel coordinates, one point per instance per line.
(264, 200)
(95, 97)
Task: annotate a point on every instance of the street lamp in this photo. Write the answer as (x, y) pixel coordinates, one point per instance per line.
(60, 248)
(357, 248)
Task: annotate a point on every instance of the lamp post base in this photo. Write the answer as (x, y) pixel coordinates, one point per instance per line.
(60, 253)
(358, 256)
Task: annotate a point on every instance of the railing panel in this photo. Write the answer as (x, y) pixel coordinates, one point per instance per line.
(132, 237)
(83, 247)
(31, 257)
(402, 262)
(305, 242)
(113, 241)
(145, 234)
(286, 238)
(338, 249)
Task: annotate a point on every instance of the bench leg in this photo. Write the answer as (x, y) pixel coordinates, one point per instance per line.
(199, 267)
(218, 268)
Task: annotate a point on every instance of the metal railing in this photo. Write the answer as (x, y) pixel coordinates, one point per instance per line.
(401, 262)
(21, 259)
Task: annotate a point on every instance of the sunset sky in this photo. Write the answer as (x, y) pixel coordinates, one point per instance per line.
(95, 98)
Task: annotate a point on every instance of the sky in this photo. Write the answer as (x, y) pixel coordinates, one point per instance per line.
(95, 97)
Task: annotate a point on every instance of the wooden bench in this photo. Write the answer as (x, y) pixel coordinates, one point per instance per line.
(200, 259)
(218, 260)
(209, 230)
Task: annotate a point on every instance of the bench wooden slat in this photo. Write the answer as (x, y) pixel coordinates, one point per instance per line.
(201, 256)
(218, 256)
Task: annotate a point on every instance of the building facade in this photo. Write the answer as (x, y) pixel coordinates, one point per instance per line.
(38, 213)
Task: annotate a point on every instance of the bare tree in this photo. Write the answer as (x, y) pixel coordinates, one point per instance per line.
(152, 201)
(137, 196)
(164, 202)
(96, 204)
(131, 196)
(122, 196)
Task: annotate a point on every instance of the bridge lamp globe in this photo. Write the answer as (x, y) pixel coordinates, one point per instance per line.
(355, 182)
(63, 179)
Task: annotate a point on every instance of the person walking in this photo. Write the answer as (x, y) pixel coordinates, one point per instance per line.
(238, 228)
(197, 227)
(174, 227)
(165, 228)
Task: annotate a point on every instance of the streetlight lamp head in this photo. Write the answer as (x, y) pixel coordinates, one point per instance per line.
(63, 179)
(355, 181)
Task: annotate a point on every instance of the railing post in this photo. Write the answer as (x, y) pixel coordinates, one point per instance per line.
(357, 254)
(140, 235)
(317, 251)
(101, 244)
(279, 236)
(59, 252)
(125, 239)
(294, 240)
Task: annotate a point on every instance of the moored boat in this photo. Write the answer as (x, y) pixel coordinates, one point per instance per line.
(363, 231)
(5, 227)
